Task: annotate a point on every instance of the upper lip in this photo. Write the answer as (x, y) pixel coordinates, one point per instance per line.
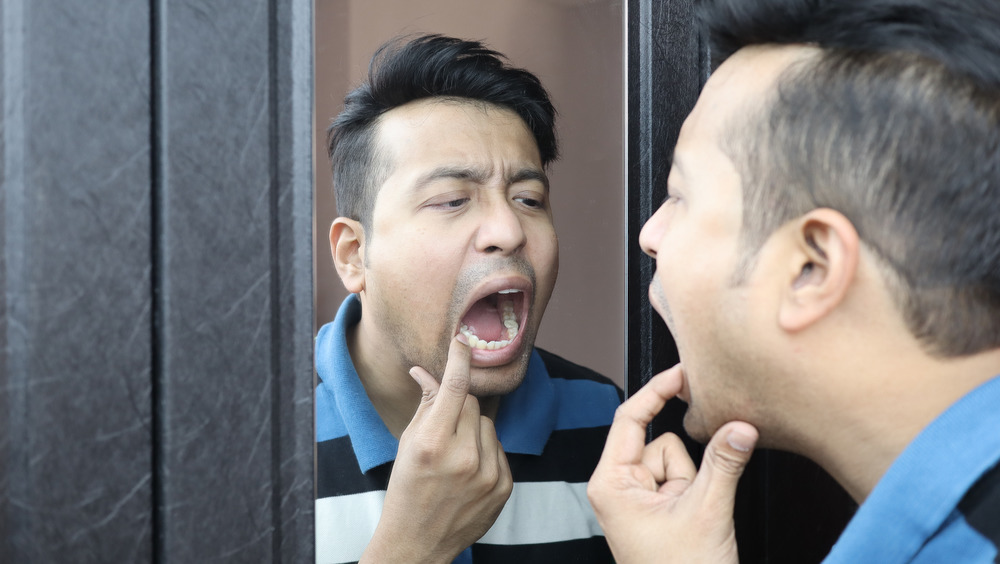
(494, 285)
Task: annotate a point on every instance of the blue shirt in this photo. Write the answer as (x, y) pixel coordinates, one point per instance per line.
(916, 512)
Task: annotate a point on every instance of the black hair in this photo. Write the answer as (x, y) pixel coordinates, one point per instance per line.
(407, 69)
(896, 124)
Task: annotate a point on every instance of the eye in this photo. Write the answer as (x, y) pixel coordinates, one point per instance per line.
(448, 203)
(533, 203)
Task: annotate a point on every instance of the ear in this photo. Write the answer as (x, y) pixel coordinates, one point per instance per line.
(347, 244)
(823, 262)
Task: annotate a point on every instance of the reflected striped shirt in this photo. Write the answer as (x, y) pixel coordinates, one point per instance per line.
(553, 428)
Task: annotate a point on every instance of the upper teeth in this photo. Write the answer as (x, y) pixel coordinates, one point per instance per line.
(509, 321)
(508, 291)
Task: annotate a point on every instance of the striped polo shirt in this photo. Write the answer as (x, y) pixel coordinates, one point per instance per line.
(552, 427)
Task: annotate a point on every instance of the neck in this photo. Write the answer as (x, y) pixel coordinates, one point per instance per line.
(881, 408)
(393, 393)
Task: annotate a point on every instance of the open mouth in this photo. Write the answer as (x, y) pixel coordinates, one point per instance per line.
(493, 322)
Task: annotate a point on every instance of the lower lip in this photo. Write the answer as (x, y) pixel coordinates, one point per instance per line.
(485, 358)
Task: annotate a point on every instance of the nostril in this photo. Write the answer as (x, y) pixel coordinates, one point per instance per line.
(492, 249)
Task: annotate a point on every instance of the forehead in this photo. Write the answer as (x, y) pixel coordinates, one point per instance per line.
(433, 131)
(741, 84)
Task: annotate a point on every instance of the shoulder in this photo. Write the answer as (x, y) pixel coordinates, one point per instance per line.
(559, 367)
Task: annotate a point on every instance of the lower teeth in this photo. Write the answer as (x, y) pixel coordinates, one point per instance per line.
(477, 343)
(509, 323)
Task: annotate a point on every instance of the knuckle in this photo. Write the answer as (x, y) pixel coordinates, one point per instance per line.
(506, 487)
(491, 475)
(486, 426)
(467, 461)
(427, 451)
(458, 386)
(726, 461)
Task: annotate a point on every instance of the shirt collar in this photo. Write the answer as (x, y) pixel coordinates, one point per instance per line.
(526, 417)
(373, 444)
(940, 465)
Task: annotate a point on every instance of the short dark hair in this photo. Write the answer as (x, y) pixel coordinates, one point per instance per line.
(896, 124)
(412, 68)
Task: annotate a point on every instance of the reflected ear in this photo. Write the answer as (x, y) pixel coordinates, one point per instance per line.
(347, 243)
(822, 266)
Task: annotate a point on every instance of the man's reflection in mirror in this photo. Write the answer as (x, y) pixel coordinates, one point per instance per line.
(446, 242)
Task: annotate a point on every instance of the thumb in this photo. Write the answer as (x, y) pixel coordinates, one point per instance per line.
(428, 385)
(725, 459)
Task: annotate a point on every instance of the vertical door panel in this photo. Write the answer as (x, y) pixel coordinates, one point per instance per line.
(75, 450)
(234, 206)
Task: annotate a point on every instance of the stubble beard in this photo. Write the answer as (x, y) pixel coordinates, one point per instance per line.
(486, 381)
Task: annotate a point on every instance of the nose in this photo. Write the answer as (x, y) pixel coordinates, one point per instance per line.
(652, 233)
(501, 230)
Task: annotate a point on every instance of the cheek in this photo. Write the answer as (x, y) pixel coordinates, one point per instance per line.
(410, 270)
(544, 259)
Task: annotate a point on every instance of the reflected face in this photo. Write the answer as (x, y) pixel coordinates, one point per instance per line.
(695, 239)
(461, 240)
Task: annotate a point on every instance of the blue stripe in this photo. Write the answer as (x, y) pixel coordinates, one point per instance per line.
(584, 403)
(465, 557)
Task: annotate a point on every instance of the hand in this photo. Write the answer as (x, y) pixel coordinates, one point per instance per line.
(451, 477)
(649, 499)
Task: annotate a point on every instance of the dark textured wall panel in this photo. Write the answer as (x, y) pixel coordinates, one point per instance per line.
(235, 281)
(292, 110)
(75, 450)
(155, 281)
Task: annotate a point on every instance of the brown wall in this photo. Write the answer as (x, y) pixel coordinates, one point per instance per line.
(575, 47)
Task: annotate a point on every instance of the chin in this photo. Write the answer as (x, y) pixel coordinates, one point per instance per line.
(497, 380)
(695, 427)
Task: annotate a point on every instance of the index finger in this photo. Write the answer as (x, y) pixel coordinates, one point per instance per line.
(627, 435)
(454, 386)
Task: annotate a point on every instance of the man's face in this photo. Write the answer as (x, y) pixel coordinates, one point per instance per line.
(717, 323)
(461, 239)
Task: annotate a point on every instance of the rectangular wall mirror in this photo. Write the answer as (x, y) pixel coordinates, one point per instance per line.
(575, 48)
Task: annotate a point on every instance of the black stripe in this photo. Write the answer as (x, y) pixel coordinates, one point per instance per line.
(583, 551)
(338, 473)
(570, 456)
(559, 367)
(981, 506)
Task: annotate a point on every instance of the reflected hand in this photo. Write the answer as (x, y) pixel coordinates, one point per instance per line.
(450, 479)
(649, 499)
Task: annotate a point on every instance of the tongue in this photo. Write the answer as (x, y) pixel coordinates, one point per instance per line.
(484, 320)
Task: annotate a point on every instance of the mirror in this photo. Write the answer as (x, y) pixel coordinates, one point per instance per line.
(576, 48)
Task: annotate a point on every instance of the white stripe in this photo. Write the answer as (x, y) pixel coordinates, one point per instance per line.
(345, 524)
(537, 512)
(541, 512)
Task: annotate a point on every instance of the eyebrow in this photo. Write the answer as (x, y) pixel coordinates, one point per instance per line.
(526, 174)
(479, 175)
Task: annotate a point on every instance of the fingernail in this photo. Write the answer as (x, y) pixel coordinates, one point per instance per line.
(413, 374)
(462, 338)
(740, 442)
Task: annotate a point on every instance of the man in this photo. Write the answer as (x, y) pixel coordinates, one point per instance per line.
(446, 241)
(828, 259)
